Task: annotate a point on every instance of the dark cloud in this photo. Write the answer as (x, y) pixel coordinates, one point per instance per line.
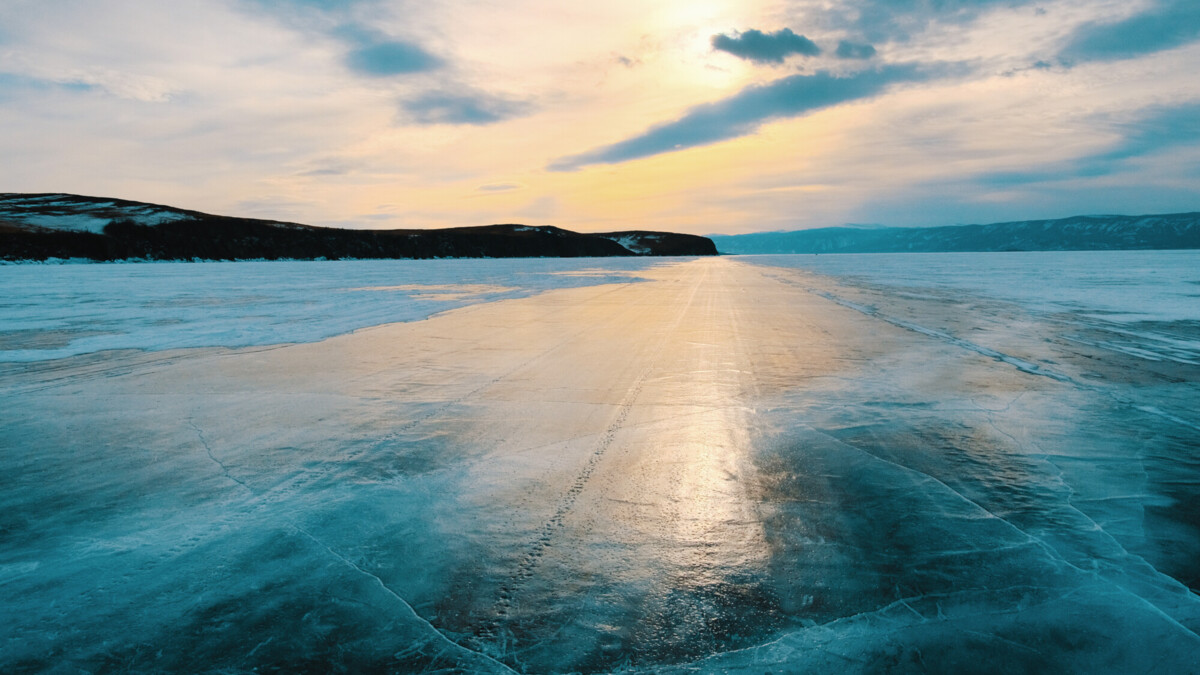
(760, 47)
(745, 111)
(1159, 129)
(378, 55)
(393, 57)
(1168, 24)
(853, 50)
(461, 107)
(369, 52)
(886, 20)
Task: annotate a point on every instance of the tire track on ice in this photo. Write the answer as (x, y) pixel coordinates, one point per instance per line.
(493, 633)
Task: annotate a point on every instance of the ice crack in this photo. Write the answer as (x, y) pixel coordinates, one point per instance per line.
(213, 457)
(448, 644)
(1018, 363)
(1051, 552)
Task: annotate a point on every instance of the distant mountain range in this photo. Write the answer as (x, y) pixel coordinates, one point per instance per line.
(1080, 233)
(42, 226)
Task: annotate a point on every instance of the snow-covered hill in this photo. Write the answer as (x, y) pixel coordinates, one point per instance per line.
(41, 226)
(77, 213)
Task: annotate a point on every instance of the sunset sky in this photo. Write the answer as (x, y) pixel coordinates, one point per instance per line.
(704, 116)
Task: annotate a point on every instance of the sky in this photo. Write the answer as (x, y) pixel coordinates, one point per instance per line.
(702, 116)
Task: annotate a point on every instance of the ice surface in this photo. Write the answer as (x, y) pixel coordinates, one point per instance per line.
(1141, 303)
(54, 311)
(1119, 286)
(725, 467)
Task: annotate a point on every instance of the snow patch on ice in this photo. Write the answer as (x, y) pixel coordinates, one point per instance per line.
(56, 311)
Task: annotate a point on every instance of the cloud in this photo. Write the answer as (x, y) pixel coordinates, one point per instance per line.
(1169, 24)
(329, 167)
(885, 20)
(760, 47)
(326, 6)
(375, 54)
(378, 56)
(10, 82)
(463, 107)
(394, 57)
(1036, 65)
(1159, 129)
(322, 172)
(499, 187)
(852, 50)
(370, 52)
(113, 83)
(744, 112)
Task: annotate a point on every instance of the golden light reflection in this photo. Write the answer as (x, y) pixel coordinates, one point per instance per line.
(695, 467)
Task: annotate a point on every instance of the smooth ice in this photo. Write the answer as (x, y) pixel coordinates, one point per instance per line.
(710, 465)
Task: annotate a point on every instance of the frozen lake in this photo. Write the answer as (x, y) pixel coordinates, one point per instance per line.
(57, 310)
(873, 463)
(1125, 286)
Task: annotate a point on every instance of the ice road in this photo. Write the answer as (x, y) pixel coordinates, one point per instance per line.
(711, 465)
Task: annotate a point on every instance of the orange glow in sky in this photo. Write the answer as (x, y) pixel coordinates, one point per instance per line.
(697, 116)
